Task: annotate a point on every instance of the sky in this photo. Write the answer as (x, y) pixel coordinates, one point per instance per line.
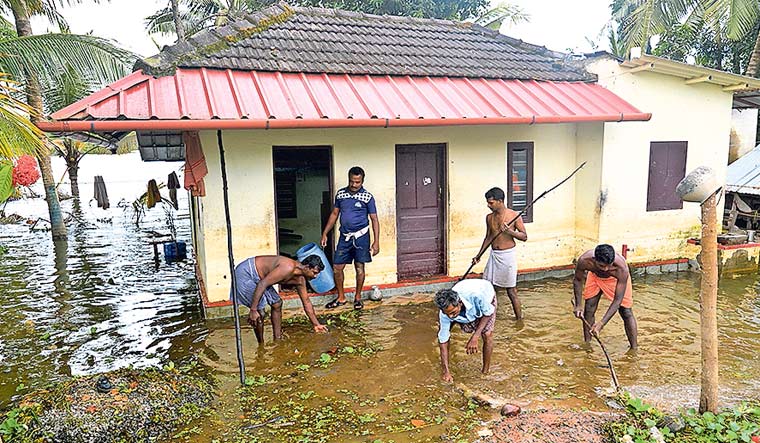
(557, 24)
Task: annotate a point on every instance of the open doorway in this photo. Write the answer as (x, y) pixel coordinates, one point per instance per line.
(303, 195)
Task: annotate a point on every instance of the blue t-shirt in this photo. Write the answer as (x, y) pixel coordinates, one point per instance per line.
(354, 209)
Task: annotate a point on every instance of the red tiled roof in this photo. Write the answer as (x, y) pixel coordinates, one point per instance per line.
(275, 100)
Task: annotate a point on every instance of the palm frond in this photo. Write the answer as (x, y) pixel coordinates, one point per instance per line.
(49, 54)
(18, 136)
(738, 16)
(7, 30)
(50, 11)
(504, 11)
(69, 87)
(162, 22)
(642, 19)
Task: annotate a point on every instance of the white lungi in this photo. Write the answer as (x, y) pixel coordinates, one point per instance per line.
(501, 268)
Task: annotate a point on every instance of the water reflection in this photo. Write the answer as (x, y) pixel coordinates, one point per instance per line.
(95, 302)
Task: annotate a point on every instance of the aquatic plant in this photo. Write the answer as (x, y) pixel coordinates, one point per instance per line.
(137, 406)
(645, 424)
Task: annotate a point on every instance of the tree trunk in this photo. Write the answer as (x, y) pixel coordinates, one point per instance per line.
(74, 177)
(708, 316)
(754, 60)
(72, 165)
(34, 99)
(177, 21)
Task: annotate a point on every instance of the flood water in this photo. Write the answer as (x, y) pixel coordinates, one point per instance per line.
(98, 303)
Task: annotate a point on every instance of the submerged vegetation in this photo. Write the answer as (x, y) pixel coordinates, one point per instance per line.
(124, 405)
(297, 406)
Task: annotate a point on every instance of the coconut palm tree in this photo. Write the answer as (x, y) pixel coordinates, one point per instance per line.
(37, 59)
(640, 20)
(503, 12)
(18, 136)
(193, 16)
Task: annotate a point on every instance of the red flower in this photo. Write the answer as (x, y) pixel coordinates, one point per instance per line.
(755, 439)
(25, 171)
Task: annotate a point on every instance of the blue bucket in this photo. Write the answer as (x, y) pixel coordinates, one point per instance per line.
(325, 280)
(175, 251)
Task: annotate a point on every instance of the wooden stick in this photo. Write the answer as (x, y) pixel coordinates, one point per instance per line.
(613, 375)
(519, 214)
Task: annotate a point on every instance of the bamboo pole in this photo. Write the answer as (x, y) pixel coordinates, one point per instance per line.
(708, 298)
(233, 280)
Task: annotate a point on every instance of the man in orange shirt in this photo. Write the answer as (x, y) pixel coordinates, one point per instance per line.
(606, 274)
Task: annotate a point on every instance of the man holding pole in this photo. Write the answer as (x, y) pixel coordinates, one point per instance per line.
(608, 275)
(503, 226)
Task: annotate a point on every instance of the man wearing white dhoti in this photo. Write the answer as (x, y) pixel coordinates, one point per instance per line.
(501, 268)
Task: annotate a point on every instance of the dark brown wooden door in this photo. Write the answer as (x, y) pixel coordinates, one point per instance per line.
(420, 187)
(667, 167)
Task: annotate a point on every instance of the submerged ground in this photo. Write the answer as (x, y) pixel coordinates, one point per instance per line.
(99, 303)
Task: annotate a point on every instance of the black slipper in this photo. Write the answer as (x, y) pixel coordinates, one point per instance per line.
(335, 303)
(358, 305)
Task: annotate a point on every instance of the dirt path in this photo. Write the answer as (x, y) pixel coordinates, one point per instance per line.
(550, 426)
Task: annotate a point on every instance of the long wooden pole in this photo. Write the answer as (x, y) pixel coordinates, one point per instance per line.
(613, 374)
(519, 214)
(708, 300)
(238, 337)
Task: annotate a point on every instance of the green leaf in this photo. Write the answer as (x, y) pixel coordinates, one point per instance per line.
(6, 180)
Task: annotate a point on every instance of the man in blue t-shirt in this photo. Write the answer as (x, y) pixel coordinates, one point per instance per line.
(354, 205)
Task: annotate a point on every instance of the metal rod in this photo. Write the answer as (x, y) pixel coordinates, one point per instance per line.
(238, 338)
(519, 214)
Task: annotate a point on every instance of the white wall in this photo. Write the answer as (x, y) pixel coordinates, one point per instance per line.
(699, 114)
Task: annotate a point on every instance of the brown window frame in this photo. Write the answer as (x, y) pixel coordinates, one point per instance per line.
(676, 203)
(528, 147)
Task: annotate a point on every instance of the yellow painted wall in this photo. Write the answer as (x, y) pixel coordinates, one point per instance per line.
(590, 149)
(699, 114)
(476, 161)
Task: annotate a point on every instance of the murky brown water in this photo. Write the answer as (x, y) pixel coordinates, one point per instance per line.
(102, 305)
(538, 362)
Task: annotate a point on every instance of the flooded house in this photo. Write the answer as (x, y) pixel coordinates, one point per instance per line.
(436, 112)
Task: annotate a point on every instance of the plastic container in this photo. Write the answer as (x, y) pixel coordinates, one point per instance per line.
(698, 185)
(375, 295)
(175, 251)
(325, 280)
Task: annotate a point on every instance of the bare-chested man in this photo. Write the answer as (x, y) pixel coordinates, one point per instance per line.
(607, 274)
(255, 278)
(501, 268)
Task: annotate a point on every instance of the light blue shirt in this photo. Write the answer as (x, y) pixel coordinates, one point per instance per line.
(476, 296)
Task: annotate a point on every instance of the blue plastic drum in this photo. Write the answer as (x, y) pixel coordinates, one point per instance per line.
(325, 280)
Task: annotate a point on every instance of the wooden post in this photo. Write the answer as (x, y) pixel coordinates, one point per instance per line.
(708, 299)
